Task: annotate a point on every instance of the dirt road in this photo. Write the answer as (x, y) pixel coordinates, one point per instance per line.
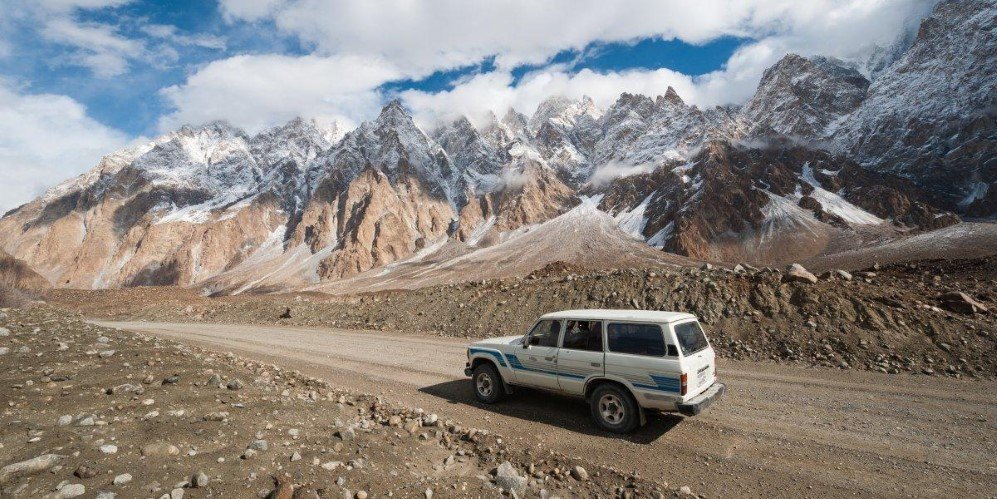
(781, 431)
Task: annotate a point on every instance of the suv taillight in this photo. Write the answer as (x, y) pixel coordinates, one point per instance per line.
(685, 384)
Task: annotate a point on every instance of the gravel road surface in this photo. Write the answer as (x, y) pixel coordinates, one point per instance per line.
(780, 431)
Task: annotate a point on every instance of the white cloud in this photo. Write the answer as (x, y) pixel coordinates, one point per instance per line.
(256, 91)
(97, 46)
(249, 10)
(172, 34)
(45, 139)
(422, 37)
(69, 5)
(614, 170)
(451, 33)
(105, 47)
(494, 91)
(100, 48)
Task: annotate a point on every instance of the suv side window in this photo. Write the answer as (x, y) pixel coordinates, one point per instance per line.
(637, 339)
(583, 335)
(545, 333)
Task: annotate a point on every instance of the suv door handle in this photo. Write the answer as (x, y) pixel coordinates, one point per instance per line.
(548, 358)
(596, 364)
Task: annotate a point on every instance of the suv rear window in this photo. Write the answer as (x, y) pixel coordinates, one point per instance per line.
(637, 339)
(691, 337)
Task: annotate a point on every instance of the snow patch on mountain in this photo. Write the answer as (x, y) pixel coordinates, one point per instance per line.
(837, 205)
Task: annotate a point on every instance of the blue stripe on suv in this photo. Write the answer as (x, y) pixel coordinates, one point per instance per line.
(516, 364)
(493, 353)
(662, 384)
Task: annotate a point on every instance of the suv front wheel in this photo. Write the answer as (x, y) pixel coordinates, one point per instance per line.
(614, 409)
(487, 383)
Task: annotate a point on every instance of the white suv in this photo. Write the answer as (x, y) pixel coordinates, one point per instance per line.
(621, 361)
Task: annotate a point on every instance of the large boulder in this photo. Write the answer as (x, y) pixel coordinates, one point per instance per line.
(797, 273)
(29, 467)
(960, 303)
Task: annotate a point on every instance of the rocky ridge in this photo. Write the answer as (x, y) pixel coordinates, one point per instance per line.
(801, 165)
(932, 317)
(944, 142)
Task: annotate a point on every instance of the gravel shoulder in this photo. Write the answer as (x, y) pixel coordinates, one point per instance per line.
(781, 430)
(89, 411)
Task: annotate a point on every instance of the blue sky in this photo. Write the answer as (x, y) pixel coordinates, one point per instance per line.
(79, 78)
(131, 102)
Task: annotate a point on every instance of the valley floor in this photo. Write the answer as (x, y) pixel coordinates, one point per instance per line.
(780, 431)
(875, 384)
(95, 412)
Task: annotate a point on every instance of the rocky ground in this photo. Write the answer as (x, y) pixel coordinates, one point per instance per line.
(96, 412)
(929, 317)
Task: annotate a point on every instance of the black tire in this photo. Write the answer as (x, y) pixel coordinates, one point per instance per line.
(614, 409)
(487, 383)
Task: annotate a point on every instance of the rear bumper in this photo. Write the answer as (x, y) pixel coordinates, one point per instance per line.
(699, 403)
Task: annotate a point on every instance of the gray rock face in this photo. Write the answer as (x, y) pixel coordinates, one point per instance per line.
(929, 116)
(160, 449)
(216, 416)
(200, 479)
(29, 467)
(72, 490)
(802, 97)
(509, 479)
(347, 434)
(579, 473)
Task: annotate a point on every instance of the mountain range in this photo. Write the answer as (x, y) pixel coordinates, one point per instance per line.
(825, 155)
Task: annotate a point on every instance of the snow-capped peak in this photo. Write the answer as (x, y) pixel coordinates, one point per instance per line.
(394, 113)
(108, 166)
(562, 112)
(802, 96)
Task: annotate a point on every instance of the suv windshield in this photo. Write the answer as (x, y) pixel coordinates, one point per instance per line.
(691, 337)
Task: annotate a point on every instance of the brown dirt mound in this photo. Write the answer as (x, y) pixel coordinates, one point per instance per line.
(886, 319)
(19, 284)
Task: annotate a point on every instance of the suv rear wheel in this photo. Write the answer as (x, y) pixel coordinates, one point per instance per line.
(614, 409)
(487, 382)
